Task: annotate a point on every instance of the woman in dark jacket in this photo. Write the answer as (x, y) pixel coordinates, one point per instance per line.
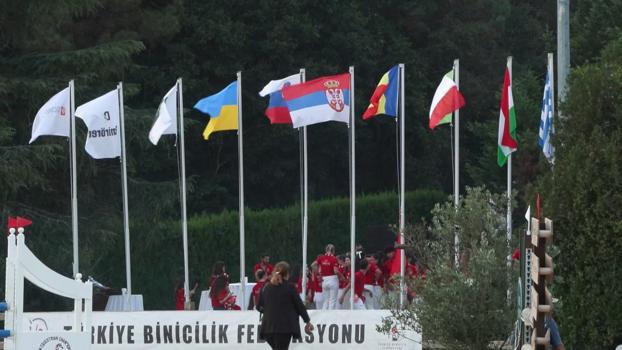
(281, 306)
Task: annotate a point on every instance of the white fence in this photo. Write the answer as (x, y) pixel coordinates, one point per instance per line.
(22, 264)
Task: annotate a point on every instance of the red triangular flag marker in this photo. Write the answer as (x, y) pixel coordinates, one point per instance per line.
(17, 222)
(23, 222)
(11, 223)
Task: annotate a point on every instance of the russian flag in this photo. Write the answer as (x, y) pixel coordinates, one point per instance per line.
(277, 110)
(319, 100)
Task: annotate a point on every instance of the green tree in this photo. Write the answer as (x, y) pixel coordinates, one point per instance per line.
(463, 307)
(583, 193)
(42, 46)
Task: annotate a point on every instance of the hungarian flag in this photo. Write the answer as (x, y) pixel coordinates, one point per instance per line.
(447, 99)
(384, 98)
(507, 120)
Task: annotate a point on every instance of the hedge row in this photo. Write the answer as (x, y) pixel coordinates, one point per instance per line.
(158, 263)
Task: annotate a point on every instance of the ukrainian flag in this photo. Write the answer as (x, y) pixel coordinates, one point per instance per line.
(222, 109)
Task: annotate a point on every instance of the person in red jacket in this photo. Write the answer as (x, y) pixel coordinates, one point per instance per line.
(222, 298)
(329, 271)
(264, 264)
(359, 282)
(344, 280)
(261, 282)
(372, 276)
(180, 298)
(315, 293)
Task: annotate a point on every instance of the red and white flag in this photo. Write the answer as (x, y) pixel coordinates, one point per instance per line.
(447, 99)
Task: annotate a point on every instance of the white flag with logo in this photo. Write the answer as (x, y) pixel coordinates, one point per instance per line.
(53, 118)
(166, 119)
(101, 117)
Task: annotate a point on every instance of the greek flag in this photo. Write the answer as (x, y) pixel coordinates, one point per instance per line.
(546, 121)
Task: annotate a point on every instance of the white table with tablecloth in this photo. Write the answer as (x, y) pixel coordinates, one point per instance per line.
(125, 302)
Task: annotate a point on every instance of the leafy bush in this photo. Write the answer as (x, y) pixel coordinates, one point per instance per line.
(157, 259)
(465, 307)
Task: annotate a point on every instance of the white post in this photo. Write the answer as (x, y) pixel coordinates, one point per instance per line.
(18, 297)
(563, 46)
(402, 227)
(126, 219)
(352, 190)
(74, 179)
(305, 200)
(184, 220)
(242, 302)
(9, 293)
(77, 309)
(457, 161)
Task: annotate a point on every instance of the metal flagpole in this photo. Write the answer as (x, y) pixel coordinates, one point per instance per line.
(352, 190)
(457, 159)
(184, 220)
(402, 189)
(509, 218)
(509, 194)
(241, 193)
(509, 213)
(305, 199)
(74, 180)
(126, 219)
(551, 71)
(563, 47)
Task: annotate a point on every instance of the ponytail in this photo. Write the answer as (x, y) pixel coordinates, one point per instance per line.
(281, 273)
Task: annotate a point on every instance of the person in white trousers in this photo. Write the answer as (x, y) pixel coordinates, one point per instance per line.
(329, 271)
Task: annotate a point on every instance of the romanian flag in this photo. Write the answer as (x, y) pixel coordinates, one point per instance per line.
(384, 99)
(222, 108)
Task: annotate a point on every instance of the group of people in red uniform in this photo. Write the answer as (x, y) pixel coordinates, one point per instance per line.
(328, 279)
(220, 295)
(375, 275)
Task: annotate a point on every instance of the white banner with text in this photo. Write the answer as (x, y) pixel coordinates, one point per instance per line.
(167, 330)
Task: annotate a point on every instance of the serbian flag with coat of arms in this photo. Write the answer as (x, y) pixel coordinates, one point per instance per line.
(319, 100)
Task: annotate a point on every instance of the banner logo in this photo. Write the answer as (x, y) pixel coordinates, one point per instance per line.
(38, 325)
(55, 343)
(334, 95)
